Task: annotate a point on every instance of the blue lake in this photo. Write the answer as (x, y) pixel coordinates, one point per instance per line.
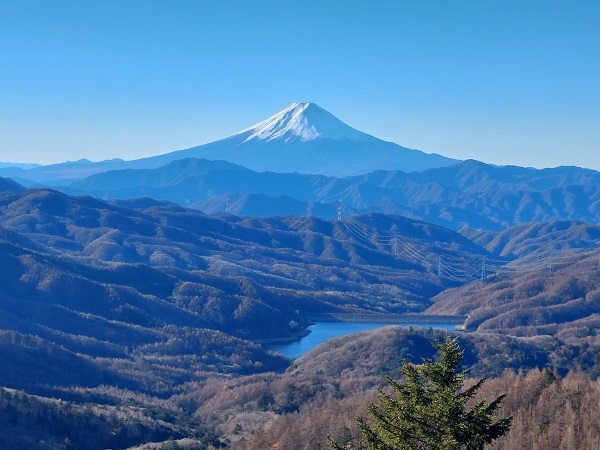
(322, 331)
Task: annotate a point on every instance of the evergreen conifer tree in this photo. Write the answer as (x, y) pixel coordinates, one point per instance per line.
(429, 409)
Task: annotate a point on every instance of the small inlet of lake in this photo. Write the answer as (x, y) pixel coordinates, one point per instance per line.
(322, 331)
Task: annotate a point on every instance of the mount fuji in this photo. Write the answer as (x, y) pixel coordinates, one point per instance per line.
(302, 138)
(305, 138)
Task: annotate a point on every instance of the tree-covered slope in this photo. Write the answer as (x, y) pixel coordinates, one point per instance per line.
(469, 193)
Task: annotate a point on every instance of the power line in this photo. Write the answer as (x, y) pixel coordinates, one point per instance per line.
(462, 266)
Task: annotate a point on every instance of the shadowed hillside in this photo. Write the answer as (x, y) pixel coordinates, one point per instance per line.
(8, 185)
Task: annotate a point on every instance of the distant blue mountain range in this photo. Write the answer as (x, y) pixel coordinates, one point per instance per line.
(470, 193)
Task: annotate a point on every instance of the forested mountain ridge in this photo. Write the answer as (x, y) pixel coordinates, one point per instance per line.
(157, 263)
(176, 239)
(8, 185)
(469, 193)
(551, 286)
(562, 299)
(102, 301)
(530, 239)
(138, 284)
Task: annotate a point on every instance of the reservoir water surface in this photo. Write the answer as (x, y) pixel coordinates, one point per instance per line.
(321, 331)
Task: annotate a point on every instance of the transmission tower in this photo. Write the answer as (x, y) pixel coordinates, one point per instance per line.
(483, 270)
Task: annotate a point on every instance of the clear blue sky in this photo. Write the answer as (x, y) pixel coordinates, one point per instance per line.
(506, 82)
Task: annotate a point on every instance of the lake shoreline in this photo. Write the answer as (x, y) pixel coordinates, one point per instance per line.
(387, 318)
(325, 330)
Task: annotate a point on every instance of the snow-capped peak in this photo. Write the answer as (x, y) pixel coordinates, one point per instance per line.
(303, 122)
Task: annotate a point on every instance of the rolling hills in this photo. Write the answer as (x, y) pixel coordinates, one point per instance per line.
(137, 291)
(551, 288)
(147, 310)
(149, 264)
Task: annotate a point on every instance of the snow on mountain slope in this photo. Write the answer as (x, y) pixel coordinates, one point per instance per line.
(303, 122)
(302, 138)
(305, 138)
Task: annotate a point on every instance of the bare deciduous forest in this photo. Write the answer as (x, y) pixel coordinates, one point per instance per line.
(549, 413)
